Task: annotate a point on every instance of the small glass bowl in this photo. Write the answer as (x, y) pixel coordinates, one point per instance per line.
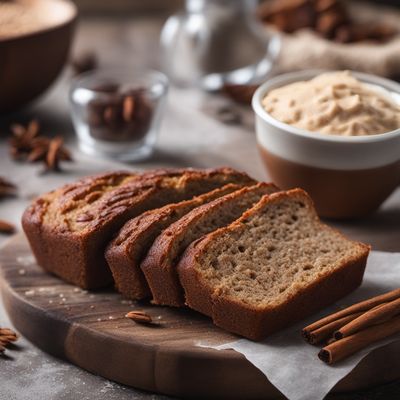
(117, 113)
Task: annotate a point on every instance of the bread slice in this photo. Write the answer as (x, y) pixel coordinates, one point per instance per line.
(68, 229)
(126, 251)
(272, 267)
(160, 262)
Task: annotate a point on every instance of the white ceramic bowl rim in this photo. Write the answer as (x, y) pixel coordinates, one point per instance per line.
(291, 77)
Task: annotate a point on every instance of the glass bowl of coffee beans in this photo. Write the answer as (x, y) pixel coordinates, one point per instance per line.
(117, 113)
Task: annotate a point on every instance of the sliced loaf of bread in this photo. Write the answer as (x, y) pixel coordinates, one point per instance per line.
(126, 251)
(272, 267)
(159, 266)
(69, 229)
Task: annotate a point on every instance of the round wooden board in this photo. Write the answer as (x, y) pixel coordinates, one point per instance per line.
(89, 329)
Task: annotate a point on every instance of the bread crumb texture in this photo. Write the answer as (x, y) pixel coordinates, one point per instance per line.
(273, 253)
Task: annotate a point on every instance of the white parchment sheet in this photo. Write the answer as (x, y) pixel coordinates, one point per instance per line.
(292, 365)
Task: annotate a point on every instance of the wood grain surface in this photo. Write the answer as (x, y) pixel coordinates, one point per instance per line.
(89, 329)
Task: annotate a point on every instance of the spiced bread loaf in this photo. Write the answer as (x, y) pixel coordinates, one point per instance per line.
(68, 229)
(159, 266)
(125, 253)
(273, 266)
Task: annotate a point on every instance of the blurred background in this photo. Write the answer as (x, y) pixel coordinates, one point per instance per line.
(156, 6)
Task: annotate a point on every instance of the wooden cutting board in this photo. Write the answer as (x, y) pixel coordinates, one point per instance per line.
(89, 329)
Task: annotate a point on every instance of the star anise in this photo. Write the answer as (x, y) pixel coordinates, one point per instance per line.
(23, 139)
(6, 188)
(27, 145)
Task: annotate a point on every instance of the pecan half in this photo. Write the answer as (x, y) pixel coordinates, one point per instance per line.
(7, 336)
(7, 188)
(139, 316)
(6, 227)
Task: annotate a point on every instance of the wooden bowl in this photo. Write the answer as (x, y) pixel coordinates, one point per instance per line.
(30, 62)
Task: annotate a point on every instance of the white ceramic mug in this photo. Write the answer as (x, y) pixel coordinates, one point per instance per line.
(347, 176)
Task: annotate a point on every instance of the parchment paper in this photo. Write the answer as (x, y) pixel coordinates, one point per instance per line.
(284, 357)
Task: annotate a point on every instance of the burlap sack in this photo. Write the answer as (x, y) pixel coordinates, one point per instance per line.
(304, 49)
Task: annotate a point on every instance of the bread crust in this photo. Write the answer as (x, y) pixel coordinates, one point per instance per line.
(70, 242)
(52, 245)
(125, 253)
(159, 266)
(257, 323)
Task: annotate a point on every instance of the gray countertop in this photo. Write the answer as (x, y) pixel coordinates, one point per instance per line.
(190, 136)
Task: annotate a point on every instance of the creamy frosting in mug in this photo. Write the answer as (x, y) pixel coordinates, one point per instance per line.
(334, 103)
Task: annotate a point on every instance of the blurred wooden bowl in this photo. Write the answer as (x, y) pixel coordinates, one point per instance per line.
(30, 62)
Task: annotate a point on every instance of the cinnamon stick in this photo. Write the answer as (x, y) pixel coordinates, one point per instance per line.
(349, 345)
(324, 332)
(369, 318)
(330, 341)
(355, 308)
